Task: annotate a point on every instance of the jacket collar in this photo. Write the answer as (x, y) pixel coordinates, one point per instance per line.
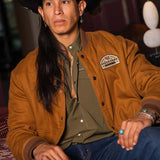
(84, 38)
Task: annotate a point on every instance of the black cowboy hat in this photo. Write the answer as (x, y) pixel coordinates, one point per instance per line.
(33, 4)
(30, 4)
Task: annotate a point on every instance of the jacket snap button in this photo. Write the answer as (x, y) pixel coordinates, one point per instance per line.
(82, 56)
(102, 103)
(94, 78)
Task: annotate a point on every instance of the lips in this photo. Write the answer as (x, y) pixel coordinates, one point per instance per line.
(59, 21)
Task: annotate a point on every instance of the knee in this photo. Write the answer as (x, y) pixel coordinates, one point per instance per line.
(150, 135)
(148, 143)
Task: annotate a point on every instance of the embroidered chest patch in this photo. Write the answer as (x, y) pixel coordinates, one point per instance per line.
(109, 61)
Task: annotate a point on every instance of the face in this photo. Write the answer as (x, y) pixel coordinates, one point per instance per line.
(62, 16)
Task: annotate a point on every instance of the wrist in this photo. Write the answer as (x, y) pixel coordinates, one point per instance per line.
(149, 114)
(35, 151)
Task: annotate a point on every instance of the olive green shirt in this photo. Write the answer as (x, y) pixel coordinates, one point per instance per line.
(85, 122)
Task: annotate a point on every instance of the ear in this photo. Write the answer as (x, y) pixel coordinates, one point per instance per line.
(40, 10)
(82, 5)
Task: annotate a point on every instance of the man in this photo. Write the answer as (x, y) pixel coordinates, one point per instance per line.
(71, 97)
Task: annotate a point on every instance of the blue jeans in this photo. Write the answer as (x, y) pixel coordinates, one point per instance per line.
(147, 148)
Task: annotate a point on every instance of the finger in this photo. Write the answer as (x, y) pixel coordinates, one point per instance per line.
(47, 158)
(53, 156)
(61, 153)
(126, 135)
(137, 132)
(56, 156)
(131, 135)
(37, 157)
(44, 158)
(120, 140)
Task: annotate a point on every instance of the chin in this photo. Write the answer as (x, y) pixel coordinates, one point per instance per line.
(61, 32)
(64, 30)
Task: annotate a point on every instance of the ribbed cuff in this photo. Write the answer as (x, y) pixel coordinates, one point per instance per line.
(154, 106)
(31, 145)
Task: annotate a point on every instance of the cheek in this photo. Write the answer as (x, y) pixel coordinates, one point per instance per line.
(47, 16)
(47, 21)
(73, 21)
(74, 17)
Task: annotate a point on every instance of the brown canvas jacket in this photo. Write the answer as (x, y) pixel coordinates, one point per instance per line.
(124, 83)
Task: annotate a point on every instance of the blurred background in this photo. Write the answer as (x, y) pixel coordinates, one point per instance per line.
(19, 30)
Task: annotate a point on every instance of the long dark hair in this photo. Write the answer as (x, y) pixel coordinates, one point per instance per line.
(49, 78)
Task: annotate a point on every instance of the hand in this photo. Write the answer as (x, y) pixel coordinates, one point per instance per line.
(49, 152)
(132, 129)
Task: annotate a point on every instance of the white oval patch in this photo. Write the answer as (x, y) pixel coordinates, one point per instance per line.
(109, 61)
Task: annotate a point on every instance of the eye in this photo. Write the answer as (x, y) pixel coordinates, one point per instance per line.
(48, 3)
(65, 2)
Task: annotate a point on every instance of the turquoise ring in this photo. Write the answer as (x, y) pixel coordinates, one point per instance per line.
(121, 131)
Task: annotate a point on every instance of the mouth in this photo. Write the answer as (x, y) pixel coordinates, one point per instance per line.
(59, 21)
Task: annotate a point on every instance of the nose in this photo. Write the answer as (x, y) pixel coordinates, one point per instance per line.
(58, 9)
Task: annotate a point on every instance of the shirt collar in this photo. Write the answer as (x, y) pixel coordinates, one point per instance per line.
(76, 45)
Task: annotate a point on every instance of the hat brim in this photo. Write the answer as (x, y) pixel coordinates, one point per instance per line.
(33, 4)
(30, 4)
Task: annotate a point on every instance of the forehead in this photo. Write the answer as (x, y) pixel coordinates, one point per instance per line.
(58, 0)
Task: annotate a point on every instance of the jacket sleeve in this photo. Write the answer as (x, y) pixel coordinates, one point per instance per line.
(22, 137)
(145, 77)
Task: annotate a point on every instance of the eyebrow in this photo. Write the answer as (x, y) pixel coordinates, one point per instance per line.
(47, 0)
